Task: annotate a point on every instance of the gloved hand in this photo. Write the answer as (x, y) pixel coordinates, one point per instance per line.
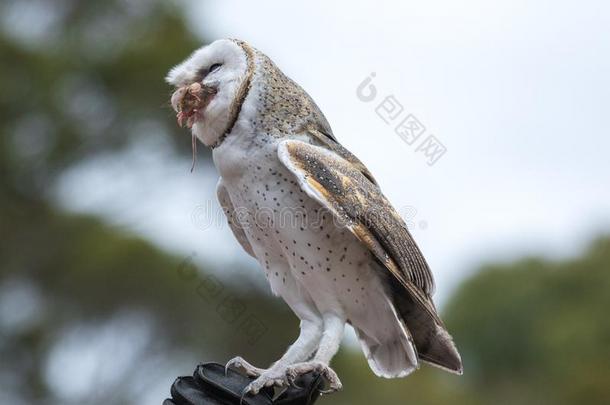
(210, 386)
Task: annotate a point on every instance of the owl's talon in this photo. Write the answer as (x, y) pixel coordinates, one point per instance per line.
(296, 370)
(270, 378)
(243, 366)
(294, 384)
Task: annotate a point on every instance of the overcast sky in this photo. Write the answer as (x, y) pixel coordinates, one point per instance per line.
(516, 91)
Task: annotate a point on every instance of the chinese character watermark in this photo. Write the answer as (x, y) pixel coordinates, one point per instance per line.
(406, 125)
(229, 307)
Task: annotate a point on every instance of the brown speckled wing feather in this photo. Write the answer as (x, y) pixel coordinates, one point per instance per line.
(331, 143)
(345, 188)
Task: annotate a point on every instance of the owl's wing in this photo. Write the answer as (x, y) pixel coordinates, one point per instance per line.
(229, 209)
(346, 190)
(329, 142)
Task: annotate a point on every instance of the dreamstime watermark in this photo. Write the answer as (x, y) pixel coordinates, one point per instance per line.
(231, 309)
(406, 126)
(209, 215)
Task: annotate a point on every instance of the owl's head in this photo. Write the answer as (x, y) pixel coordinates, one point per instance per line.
(211, 85)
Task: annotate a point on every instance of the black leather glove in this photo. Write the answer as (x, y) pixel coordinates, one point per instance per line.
(210, 386)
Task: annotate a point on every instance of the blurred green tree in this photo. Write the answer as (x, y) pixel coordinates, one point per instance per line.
(537, 331)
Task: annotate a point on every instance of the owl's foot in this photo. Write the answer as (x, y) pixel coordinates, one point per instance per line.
(296, 370)
(241, 365)
(274, 377)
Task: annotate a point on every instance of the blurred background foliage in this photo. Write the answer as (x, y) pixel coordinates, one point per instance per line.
(90, 313)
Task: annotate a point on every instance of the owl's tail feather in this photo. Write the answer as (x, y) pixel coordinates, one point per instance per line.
(390, 355)
(434, 344)
(387, 359)
(439, 350)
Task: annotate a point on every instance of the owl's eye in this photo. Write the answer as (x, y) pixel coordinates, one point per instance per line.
(215, 67)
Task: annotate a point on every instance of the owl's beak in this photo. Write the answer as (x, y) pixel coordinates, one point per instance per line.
(190, 101)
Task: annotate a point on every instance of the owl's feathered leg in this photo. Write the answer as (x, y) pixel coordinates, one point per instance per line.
(329, 345)
(301, 349)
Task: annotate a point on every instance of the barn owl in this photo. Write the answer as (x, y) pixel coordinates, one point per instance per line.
(330, 243)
